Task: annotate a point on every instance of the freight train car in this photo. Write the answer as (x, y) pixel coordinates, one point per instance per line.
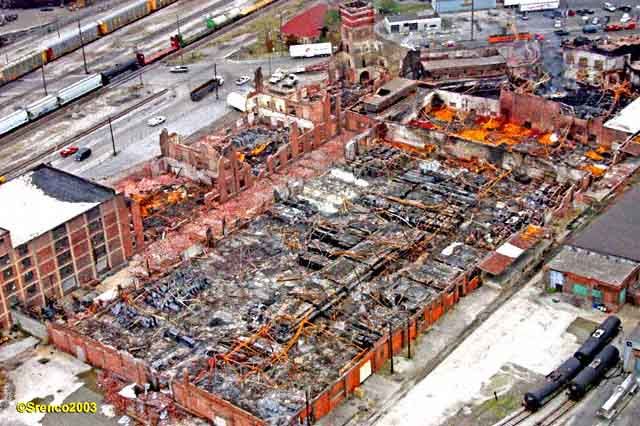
(70, 41)
(570, 369)
(124, 16)
(507, 38)
(556, 381)
(598, 339)
(16, 69)
(79, 89)
(13, 121)
(593, 373)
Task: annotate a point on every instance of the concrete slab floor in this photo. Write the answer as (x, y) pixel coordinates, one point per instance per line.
(529, 330)
(380, 388)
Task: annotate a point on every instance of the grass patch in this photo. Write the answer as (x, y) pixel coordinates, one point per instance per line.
(189, 58)
(392, 7)
(501, 408)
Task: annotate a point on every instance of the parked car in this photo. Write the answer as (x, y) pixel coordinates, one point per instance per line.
(524, 17)
(277, 77)
(625, 8)
(83, 154)
(595, 20)
(589, 29)
(561, 33)
(179, 69)
(625, 18)
(608, 7)
(290, 81)
(538, 36)
(449, 43)
(156, 121)
(68, 151)
(613, 27)
(571, 12)
(243, 80)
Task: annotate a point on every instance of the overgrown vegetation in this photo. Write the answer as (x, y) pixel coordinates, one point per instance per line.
(393, 7)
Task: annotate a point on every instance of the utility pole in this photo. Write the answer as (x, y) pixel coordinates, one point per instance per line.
(178, 24)
(44, 81)
(473, 10)
(84, 56)
(113, 140)
(391, 346)
(215, 77)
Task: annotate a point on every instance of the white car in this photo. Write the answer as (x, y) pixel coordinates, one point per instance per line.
(276, 77)
(595, 20)
(609, 7)
(243, 80)
(290, 81)
(179, 69)
(625, 18)
(156, 121)
(557, 24)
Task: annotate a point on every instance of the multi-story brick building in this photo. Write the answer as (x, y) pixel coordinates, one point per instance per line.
(57, 232)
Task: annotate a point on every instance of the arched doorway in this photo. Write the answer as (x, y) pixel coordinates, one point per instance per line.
(364, 77)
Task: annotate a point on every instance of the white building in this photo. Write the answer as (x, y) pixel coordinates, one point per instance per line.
(408, 23)
(532, 5)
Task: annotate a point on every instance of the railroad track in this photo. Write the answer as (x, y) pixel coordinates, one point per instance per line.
(515, 418)
(25, 165)
(208, 38)
(557, 413)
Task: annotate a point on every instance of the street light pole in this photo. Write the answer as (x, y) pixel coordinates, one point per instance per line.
(84, 56)
(473, 9)
(44, 81)
(215, 77)
(113, 140)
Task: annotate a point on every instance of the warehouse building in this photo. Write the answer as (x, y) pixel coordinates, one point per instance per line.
(407, 23)
(306, 27)
(601, 264)
(61, 232)
(443, 6)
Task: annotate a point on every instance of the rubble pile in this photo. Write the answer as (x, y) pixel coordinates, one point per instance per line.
(285, 304)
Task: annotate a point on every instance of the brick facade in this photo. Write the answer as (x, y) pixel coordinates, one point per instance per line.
(75, 254)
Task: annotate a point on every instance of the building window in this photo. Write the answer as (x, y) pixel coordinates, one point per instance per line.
(28, 277)
(583, 62)
(59, 232)
(22, 250)
(26, 263)
(599, 65)
(64, 258)
(32, 289)
(7, 273)
(97, 239)
(69, 285)
(570, 58)
(10, 287)
(12, 300)
(61, 245)
(93, 214)
(66, 271)
(4, 260)
(99, 252)
(95, 226)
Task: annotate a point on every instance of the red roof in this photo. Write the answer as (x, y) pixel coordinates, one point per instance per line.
(308, 24)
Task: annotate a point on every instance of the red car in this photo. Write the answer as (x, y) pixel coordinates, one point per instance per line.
(613, 27)
(630, 26)
(68, 151)
(571, 12)
(538, 37)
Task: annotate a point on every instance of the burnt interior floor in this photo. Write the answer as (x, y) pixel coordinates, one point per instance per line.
(287, 303)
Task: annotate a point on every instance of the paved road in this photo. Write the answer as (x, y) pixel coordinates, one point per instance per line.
(136, 142)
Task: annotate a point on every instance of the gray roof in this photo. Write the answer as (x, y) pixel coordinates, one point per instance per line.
(607, 269)
(617, 231)
(409, 17)
(43, 198)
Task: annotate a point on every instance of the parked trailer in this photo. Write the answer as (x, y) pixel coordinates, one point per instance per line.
(310, 50)
(240, 101)
(610, 408)
(42, 107)
(79, 89)
(593, 373)
(13, 121)
(204, 89)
